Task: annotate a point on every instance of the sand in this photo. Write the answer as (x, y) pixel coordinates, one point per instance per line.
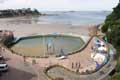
(26, 29)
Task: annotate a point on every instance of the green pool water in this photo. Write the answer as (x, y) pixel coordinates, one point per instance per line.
(42, 46)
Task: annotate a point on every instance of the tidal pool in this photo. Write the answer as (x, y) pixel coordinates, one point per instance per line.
(42, 46)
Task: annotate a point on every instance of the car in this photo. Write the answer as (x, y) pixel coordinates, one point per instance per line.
(3, 67)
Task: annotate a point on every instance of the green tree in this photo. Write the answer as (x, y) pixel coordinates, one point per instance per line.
(115, 77)
(113, 22)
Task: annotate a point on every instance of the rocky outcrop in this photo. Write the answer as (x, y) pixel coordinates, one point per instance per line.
(18, 12)
(6, 37)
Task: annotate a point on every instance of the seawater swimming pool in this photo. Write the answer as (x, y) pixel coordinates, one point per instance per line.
(42, 46)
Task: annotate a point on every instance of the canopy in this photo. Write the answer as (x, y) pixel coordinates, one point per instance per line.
(97, 65)
(99, 57)
(111, 52)
(98, 42)
(105, 60)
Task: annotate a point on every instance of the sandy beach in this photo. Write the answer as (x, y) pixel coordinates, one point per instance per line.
(27, 29)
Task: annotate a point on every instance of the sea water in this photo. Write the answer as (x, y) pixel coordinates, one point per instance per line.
(65, 17)
(73, 17)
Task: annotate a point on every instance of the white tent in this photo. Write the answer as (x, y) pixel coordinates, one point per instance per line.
(101, 43)
(102, 49)
(99, 58)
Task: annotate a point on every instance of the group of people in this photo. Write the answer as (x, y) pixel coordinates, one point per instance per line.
(76, 66)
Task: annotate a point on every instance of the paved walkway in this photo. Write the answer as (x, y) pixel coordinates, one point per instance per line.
(104, 71)
(18, 70)
(85, 54)
(21, 71)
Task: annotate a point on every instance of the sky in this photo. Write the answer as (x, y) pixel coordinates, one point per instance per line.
(60, 5)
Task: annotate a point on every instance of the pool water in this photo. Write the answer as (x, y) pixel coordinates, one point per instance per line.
(47, 45)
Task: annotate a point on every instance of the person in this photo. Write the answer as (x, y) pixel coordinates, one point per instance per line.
(0, 49)
(76, 65)
(79, 65)
(24, 58)
(72, 65)
(33, 61)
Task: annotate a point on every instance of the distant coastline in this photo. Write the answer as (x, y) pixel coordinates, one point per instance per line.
(56, 17)
(19, 12)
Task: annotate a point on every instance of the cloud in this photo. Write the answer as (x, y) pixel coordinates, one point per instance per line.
(2, 1)
(60, 4)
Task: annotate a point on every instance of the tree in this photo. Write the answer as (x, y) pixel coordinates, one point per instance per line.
(36, 11)
(115, 77)
(113, 22)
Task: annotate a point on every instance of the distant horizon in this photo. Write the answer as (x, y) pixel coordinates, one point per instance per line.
(59, 10)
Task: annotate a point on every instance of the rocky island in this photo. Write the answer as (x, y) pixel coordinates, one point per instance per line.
(18, 12)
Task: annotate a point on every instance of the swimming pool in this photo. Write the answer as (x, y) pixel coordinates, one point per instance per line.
(42, 46)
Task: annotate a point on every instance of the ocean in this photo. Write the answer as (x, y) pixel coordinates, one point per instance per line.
(74, 17)
(66, 17)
